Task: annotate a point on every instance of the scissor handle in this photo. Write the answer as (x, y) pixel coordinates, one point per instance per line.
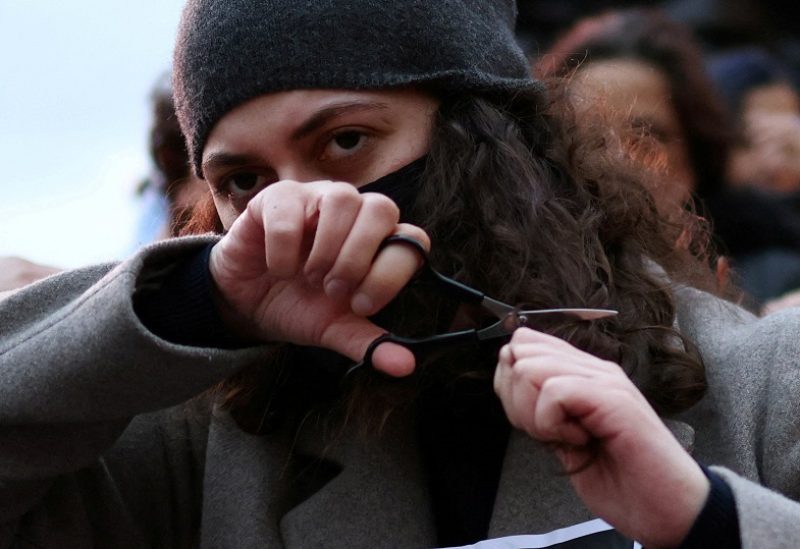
(418, 347)
(453, 288)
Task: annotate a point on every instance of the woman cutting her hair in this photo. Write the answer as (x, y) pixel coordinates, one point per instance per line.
(203, 392)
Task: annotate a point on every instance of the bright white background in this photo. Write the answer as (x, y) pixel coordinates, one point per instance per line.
(75, 79)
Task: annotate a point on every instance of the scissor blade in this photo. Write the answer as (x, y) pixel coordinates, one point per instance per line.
(506, 326)
(583, 314)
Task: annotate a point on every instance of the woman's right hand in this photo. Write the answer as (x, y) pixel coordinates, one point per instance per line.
(302, 264)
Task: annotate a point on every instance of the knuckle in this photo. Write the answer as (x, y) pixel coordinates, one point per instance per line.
(319, 185)
(339, 195)
(524, 371)
(552, 387)
(281, 187)
(382, 205)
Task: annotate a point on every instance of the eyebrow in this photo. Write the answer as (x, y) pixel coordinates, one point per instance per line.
(326, 114)
(216, 161)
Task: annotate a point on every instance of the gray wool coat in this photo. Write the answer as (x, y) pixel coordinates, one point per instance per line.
(102, 445)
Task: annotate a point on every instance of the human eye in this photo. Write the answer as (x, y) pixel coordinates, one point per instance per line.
(344, 144)
(240, 187)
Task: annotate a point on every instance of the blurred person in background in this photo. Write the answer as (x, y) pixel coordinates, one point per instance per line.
(759, 91)
(170, 192)
(650, 70)
(766, 105)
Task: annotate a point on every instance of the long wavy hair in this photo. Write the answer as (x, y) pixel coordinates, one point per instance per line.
(522, 206)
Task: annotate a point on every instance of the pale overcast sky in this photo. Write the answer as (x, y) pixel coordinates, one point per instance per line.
(74, 84)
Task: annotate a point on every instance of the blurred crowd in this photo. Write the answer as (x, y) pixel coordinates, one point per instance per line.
(708, 92)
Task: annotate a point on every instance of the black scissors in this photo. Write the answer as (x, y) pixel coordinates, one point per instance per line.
(509, 317)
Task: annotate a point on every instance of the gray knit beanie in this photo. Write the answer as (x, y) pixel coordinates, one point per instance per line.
(230, 51)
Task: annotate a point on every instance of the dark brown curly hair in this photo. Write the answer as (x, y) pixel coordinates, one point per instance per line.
(524, 207)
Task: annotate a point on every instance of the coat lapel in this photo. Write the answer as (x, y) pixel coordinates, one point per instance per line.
(248, 489)
(244, 487)
(534, 497)
(381, 478)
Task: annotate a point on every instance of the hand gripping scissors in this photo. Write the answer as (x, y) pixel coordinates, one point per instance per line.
(509, 317)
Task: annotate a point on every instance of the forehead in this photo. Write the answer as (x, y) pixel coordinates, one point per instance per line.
(777, 97)
(627, 84)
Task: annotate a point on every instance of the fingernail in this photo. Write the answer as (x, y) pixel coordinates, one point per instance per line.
(315, 279)
(362, 304)
(337, 289)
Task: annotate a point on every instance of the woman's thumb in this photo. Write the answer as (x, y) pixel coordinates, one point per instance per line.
(352, 335)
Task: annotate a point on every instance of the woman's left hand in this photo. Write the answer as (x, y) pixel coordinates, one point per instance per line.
(637, 476)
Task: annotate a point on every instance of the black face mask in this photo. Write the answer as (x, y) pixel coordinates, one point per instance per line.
(402, 186)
